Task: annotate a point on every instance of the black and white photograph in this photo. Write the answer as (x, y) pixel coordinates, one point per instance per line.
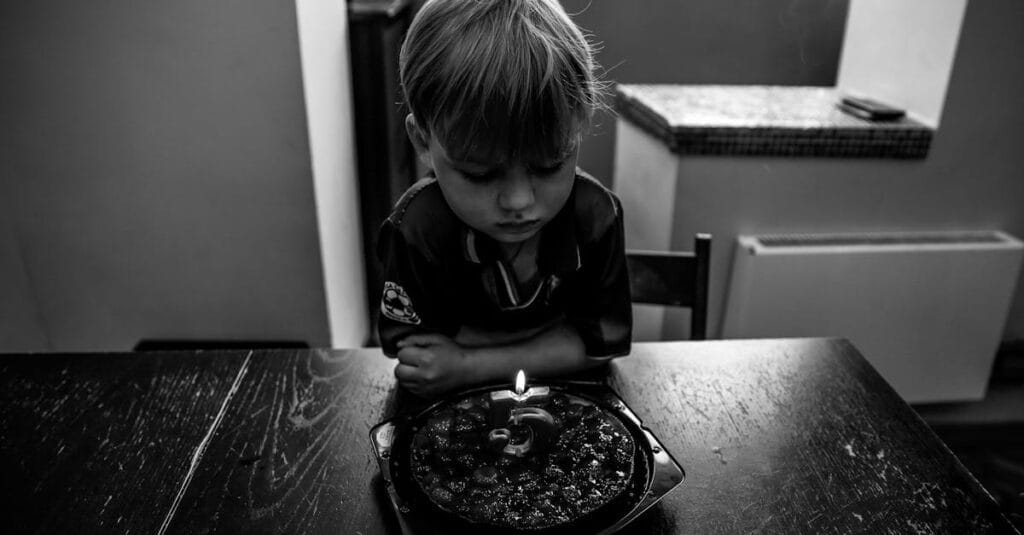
(512, 267)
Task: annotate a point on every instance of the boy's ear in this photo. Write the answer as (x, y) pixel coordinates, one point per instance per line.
(420, 141)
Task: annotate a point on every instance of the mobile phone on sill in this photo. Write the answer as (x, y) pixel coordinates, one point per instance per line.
(870, 109)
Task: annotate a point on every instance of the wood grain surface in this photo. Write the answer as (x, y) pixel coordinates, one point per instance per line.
(776, 436)
(293, 454)
(794, 436)
(100, 443)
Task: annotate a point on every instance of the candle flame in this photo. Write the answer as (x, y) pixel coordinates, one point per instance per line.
(520, 382)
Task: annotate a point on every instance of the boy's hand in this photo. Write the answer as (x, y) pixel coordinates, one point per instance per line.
(430, 364)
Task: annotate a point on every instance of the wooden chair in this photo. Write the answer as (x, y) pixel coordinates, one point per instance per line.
(674, 279)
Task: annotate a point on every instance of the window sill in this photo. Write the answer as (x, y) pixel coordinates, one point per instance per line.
(751, 120)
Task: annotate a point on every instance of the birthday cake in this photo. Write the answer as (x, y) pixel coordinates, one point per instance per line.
(547, 461)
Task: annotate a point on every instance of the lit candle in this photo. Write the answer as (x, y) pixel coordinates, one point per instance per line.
(503, 401)
(517, 410)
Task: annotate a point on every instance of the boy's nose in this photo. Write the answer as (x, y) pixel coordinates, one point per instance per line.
(516, 192)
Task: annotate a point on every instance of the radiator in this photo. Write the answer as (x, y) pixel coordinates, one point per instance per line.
(926, 309)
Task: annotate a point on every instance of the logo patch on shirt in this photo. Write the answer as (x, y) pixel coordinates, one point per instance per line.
(395, 304)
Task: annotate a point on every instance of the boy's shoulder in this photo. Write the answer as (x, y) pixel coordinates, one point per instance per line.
(420, 199)
(423, 217)
(597, 208)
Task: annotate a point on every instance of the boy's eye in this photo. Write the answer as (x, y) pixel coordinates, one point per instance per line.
(547, 170)
(477, 176)
(489, 174)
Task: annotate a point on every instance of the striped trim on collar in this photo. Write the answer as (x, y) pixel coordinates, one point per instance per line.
(469, 243)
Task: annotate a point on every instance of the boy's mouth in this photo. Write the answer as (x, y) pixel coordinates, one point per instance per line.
(519, 227)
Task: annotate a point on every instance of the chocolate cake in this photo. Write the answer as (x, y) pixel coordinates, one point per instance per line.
(582, 458)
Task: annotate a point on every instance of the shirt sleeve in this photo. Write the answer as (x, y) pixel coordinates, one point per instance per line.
(601, 309)
(412, 299)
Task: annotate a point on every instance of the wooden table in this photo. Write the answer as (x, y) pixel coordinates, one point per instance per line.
(776, 436)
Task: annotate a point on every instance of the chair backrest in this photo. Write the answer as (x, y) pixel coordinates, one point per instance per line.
(674, 279)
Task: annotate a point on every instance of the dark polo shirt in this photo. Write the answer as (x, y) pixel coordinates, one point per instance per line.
(440, 274)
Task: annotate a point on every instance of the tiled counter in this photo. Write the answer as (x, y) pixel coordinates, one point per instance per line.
(764, 121)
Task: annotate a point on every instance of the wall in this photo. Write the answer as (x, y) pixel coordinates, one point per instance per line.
(970, 180)
(772, 42)
(156, 173)
(327, 84)
(901, 53)
(21, 328)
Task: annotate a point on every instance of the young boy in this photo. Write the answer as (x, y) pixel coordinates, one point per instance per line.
(506, 256)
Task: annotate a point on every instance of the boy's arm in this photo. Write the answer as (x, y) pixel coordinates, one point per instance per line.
(600, 306)
(557, 350)
(413, 299)
(431, 364)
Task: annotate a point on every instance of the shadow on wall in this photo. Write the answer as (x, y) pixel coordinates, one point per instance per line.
(155, 175)
(777, 42)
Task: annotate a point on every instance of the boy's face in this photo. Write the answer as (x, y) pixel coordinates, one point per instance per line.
(508, 201)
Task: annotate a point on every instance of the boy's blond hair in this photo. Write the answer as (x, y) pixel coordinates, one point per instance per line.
(500, 78)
